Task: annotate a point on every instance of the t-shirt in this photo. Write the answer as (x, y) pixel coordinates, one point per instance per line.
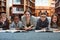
(42, 24)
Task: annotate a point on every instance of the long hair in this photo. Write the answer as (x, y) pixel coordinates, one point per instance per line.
(57, 20)
(28, 11)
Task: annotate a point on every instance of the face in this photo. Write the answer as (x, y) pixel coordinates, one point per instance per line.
(54, 19)
(3, 15)
(43, 17)
(16, 19)
(27, 14)
(3, 19)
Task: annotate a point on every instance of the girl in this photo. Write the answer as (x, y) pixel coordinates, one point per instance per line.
(54, 21)
(4, 22)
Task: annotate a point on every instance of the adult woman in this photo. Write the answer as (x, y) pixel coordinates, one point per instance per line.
(28, 20)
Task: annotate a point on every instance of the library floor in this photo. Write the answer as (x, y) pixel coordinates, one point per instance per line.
(31, 35)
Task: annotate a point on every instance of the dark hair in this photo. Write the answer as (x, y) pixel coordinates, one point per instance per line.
(16, 16)
(57, 19)
(43, 13)
(0, 17)
(46, 12)
(29, 12)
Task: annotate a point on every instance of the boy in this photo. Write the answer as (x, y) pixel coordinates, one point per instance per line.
(42, 22)
(17, 24)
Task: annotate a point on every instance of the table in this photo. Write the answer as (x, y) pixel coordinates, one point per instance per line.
(31, 35)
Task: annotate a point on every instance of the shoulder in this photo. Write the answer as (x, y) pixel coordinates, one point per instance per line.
(20, 22)
(49, 19)
(23, 16)
(33, 17)
(39, 20)
(12, 22)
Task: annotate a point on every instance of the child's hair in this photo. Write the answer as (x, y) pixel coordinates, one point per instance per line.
(57, 19)
(0, 17)
(43, 13)
(16, 16)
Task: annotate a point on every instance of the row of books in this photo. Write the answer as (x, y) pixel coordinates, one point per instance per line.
(2, 6)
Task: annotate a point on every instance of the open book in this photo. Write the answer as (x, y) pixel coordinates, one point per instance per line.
(12, 31)
(56, 30)
(44, 30)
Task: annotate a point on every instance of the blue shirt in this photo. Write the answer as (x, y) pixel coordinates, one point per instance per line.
(14, 25)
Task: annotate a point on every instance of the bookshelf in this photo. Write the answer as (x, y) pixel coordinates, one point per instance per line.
(57, 9)
(19, 6)
(2, 6)
(30, 5)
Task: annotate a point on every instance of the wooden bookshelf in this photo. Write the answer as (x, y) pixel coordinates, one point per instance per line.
(2, 6)
(57, 9)
(30, 4)
(19, 6)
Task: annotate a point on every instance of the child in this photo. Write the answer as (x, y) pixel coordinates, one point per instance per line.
(54, 21)
(17, 24)
(4, 23)
(42, 22)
